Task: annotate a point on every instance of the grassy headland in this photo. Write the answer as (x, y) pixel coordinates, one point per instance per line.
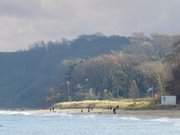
(126, 104)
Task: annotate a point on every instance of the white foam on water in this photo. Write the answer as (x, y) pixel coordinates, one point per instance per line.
(31, 113)
(14, 113)
(161, 120)
(129, 118)
(56, 114)
(92, 116)
(173, 121)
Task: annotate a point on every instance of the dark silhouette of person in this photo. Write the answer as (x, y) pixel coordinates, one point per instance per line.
(114, 110)
(53, 109)
(88, 108)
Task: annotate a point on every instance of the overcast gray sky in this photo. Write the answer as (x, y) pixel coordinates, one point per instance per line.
(23, 22)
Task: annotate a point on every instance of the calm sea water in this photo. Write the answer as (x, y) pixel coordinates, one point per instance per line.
(18, 123)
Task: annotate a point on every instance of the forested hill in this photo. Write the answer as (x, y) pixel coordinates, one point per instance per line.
(90, 67)
(27, 78)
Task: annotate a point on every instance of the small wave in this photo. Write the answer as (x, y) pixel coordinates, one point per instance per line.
(129, 118)
(92, 116)
(161, 120)
(167, 120)
(30, 113)
(56, 114)
(14, 113)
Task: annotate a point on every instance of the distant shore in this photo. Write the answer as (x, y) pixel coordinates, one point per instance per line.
(128, 113)
(125, 107)
(124, 113)
(146, 107)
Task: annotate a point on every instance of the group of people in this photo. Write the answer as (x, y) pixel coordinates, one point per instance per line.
(89, 109)
(114, 109)
(52, 109)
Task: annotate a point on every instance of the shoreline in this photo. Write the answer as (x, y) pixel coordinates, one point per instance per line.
(123, 113)
(129, 113)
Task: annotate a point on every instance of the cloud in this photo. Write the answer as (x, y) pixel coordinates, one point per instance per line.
(20, 8)
(24, 22)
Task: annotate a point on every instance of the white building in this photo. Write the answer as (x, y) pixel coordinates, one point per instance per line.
(168, 100)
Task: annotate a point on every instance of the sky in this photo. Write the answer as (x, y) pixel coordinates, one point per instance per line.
(23, 22)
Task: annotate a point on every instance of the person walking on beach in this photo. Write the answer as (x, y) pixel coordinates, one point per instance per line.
(114, 110)
(53, 109)
(81, 110)
(88, 108)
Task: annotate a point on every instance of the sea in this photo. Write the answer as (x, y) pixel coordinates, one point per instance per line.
(28, 123)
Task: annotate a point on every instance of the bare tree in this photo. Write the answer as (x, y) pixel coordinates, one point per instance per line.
(133, 90)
